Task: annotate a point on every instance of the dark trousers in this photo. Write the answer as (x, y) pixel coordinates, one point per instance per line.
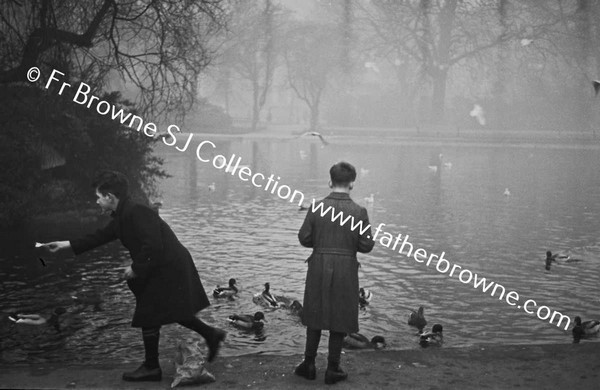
(336, 340)
(151, 337)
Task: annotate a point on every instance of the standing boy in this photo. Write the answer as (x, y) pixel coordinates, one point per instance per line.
(331, 291)
(162, 276)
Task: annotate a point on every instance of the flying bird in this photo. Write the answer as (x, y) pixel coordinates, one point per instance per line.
(314, 133)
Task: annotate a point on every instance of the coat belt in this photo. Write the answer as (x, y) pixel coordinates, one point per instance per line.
(334, 251)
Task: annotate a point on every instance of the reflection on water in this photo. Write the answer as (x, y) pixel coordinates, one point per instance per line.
(244, 232)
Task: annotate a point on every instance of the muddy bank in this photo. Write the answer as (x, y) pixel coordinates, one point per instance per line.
(482, 367)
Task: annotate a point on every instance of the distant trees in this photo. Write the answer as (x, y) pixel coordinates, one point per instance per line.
(312, 53)
(252, 48)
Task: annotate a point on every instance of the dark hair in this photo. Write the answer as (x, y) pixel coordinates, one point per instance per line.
(112, 182)
(437, 328)
(342, 174)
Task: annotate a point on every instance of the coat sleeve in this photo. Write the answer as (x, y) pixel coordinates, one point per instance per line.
(305, 235)
(365, 241)
(146, 226)
(100, 237)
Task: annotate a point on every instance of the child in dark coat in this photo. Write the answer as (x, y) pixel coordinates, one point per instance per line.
(330, 295)
(162, 276)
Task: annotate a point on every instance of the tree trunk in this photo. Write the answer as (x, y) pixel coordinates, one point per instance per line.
(314, 117)
(438, 98)
(255, 106)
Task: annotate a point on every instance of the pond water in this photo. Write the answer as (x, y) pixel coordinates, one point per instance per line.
(249, 234)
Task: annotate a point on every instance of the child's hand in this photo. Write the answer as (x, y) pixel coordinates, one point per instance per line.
(56, 246)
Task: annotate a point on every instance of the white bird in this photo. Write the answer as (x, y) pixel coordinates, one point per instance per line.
(212, 187)
(526, 42)
(506, 192)
(370, 199)
(314, 133)
(478, 113)
(363, 172)
(303, 155)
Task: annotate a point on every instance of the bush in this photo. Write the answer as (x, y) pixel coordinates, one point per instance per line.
(34, 122)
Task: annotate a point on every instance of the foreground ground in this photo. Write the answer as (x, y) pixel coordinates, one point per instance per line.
(569, 366)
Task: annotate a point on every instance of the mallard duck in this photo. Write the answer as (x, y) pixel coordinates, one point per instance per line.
(247, 321)
(266, 298)
(226, 292)
(433, 337)
(417, 319)
(358, 341)
(364, 296)
(296, 308)
(37, 319)
(583, 330)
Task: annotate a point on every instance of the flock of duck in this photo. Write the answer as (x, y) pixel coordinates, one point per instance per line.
(265, 298)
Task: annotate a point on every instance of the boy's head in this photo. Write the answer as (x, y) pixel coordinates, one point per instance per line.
(111, 186)
(342, 174)
(111, 182)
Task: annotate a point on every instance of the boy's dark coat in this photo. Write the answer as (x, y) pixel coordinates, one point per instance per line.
(167, 286)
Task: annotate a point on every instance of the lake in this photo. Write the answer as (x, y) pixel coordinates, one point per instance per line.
(249, 234)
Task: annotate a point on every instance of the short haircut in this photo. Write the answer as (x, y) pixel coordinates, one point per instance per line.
(342, 174)
(112, 182)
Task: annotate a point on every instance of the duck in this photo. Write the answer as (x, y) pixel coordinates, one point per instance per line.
(88, 298)
(434, 337)
(296, 308)
(583, 330)
(364, 296)
(358, 341)
(248, 321)
(37, 319)
(226, 292)
(417, 319)
(370, 199)
(560, 257)
(266, 298)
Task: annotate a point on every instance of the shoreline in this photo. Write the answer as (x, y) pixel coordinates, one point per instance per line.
(545, 366)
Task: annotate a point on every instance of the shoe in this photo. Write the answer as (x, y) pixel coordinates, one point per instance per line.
(334, 374)
(306, 370)
(143, 373)
(214, 343)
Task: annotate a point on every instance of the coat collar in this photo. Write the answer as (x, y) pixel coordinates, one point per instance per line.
(339, 195)
(119, 211)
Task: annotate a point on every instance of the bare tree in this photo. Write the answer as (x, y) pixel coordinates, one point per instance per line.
(436, 35)
(159, 47)
(252, 49)
(312, 57)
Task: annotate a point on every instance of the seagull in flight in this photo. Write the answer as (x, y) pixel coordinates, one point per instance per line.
(314, 133)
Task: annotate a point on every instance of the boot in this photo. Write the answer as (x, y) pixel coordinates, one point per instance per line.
(334, 374)
(307, 369)
(143, 373)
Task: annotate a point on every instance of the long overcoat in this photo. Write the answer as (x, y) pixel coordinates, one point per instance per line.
(167, 287)
(331, 290)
